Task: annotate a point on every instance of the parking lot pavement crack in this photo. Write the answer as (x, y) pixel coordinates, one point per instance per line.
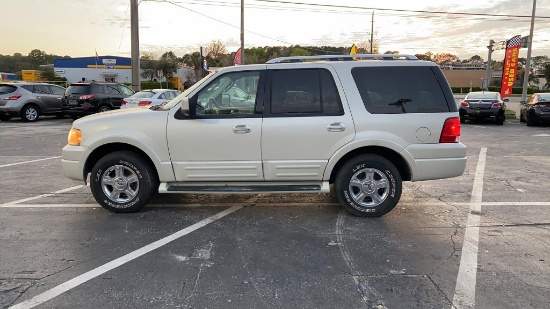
(455, 249)
(369, 295)
(69, 267)
(33, 282)
(440, 290)
(192, 293)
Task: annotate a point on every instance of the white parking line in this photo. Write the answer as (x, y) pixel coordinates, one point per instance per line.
(31, 161)
(40, 196)
(465, 290)
(71, 284)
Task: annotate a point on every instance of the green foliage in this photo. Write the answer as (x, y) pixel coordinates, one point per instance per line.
(17, 62)
(49, 75)
(156, 85)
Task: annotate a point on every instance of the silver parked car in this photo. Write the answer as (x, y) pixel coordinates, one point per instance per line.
(30, 100)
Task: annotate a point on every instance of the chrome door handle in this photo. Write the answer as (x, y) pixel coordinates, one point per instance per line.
(336, 127)
(242, 129)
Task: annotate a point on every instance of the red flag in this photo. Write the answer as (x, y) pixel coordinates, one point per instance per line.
(237, 59)
(510, 66)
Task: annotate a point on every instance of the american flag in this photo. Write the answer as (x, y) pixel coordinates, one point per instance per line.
(514, 41)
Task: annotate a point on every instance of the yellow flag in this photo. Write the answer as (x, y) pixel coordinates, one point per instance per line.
(353, 50)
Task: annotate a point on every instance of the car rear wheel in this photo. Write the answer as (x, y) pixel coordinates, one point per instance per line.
(123, 181)
(529, 120)
(500, 119)
(103, 108)
(29, 113)
(368, 186)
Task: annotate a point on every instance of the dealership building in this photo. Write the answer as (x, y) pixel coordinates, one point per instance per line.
(103, 68)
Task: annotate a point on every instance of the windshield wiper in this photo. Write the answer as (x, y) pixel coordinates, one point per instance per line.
(401, 103)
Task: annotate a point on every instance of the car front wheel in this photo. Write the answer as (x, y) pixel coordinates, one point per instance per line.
(123, 181)
(368, 186)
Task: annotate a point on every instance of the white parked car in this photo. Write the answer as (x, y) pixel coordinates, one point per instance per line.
(307, 124)
(147, 98)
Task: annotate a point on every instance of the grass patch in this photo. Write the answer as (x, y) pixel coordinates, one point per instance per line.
(510, 113)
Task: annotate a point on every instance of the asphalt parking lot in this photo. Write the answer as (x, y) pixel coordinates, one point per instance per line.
(479, 240)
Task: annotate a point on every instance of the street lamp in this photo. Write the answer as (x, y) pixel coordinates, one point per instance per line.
(528, 62)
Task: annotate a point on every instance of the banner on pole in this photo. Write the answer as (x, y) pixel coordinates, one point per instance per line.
(353, 50)
(237, 60)
(510, 66)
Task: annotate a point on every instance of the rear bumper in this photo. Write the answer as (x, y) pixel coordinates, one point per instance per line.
(470, 113)
(9, 110)
(436, 161)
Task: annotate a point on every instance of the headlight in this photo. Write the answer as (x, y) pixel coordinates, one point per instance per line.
(75, 136)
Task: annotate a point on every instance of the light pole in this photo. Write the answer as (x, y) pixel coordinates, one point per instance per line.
(528, 64)
(134, 25)
(242, 32)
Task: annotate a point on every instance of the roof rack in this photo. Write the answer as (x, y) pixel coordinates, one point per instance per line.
(343, 58)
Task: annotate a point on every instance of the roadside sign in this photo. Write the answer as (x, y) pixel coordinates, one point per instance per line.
(159, 73)
(109, 61)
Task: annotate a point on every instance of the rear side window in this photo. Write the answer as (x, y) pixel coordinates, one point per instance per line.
(78, 90)
(398, 90)
(112, 89)
(304, 92)
(7, 89)
(42, 89)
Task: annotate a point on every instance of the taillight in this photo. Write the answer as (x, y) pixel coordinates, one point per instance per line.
(144, 103)
(451, 131)
(14, 97)
(464, 104)
(496, 105)
(123, 102)
(86, 97)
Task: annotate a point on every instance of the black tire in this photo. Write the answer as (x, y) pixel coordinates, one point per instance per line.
(529, 121)
(132, 173)
(383, 173)
(30, 113)
(500, 119)
(5, 117)
(103, 108)
(462, 120)
(521, 119)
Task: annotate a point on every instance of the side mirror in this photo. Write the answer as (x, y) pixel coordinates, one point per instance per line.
(185, 108)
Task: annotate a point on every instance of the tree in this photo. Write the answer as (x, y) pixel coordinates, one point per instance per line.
(427, 56)
(193, 61)
(391, 52)
(49, 75)
(37, 57)
(148, 66)
(475, 58)
(364, 47)
(168, 64)
(216, 49)
(444, 58)
(546, 73)
(298, 51)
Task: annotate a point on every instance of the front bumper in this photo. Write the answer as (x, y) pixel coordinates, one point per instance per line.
(73, 161)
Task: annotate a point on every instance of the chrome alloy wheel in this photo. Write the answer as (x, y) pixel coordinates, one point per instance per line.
(369, 187)
(31, 114)
(120, 184)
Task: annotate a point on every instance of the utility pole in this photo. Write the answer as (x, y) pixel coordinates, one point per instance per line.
(242, 32)
(371, 31)
(529, 48)
(489, 64)
(202, 64)
(134, 21)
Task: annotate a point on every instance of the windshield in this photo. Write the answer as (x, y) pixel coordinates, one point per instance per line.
(186, 92)
(143, 94)
(481, 96)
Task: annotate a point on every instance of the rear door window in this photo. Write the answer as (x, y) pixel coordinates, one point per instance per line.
(42, 89)
(398, 90)
(112, 89)
(7, 89)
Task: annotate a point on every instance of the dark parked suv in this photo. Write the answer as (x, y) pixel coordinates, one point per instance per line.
(86, 98)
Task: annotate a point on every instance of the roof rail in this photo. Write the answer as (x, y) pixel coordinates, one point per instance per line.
(343, 58)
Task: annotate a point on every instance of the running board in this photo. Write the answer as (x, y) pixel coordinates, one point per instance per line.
(321, 187)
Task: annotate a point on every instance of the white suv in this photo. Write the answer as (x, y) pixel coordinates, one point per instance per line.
(359, 125)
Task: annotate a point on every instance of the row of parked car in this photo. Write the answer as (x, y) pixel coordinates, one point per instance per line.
(31, 100)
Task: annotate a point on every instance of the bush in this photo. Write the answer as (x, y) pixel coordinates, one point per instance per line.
(155, 85)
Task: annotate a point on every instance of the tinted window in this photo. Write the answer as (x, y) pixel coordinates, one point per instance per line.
(57, 90)
(304, 91)
(162, 96)
(7, 89)
(78, 89)
(113, 89)
(126, 90)
(396, 90)
(143, 94)
(42, 89)
(482, 96)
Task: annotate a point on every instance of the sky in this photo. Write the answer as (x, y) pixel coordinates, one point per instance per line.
(80, 27)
